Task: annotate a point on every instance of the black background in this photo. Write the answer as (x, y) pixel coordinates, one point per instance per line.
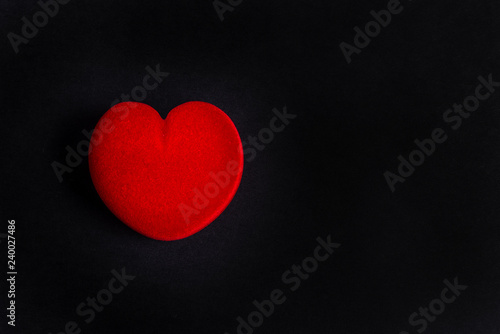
(322, 175)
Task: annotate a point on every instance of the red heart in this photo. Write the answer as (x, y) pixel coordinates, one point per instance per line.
(166, 179)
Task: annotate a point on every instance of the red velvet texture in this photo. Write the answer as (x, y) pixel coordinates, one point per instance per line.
(166, 179)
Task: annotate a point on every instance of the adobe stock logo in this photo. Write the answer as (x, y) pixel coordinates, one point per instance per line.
(292, 278)
(436, 306)
(372, 29)
(103, 298)
(221, 7)
(221, 179)
(40, 19)
(74, 158)
(453, 117)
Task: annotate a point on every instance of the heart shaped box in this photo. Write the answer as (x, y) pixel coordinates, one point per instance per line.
(166, 178)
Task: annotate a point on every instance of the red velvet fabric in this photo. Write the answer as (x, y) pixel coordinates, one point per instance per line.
(166, 179)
